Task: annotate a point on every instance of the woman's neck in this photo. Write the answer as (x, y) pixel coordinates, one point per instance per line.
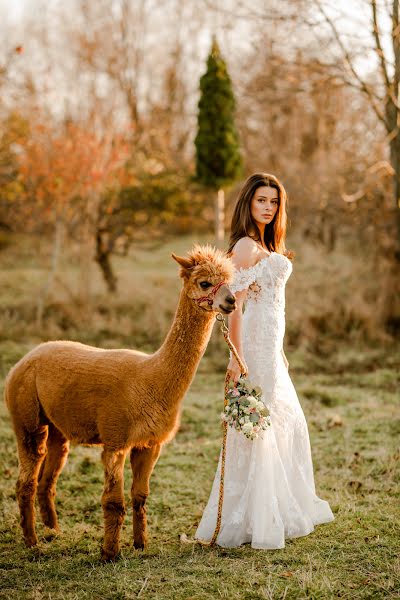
(261, 230)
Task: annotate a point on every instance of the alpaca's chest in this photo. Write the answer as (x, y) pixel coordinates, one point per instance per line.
(147, 427)
(156, 426)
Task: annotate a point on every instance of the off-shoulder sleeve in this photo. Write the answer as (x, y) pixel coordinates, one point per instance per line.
(243, 278)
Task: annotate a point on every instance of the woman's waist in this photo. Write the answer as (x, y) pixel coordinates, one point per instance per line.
(267, 348)
(265, 305)
(263, 318)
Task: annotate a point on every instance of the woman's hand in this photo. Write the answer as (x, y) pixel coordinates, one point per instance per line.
(233, 369)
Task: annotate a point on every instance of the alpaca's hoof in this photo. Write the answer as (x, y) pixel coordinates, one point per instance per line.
(31, 541)
(109, 555)
(139, 544)
(51, 533)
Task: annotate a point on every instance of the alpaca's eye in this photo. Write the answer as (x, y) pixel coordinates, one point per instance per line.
(205, 285)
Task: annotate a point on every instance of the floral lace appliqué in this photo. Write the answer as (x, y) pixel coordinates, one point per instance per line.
(254, 290)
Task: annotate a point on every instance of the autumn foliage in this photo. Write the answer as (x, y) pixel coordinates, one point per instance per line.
(65, 172)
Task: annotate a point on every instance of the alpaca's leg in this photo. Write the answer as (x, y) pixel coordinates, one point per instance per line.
(113, 501)
(142, 462)
(31, 451)
(57, 453)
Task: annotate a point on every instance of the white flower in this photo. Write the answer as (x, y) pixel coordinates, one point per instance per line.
(247, 428)
(241, 420)
(260, 406)
(252, 402)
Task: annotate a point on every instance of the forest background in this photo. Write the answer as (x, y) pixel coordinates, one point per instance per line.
(98, 116)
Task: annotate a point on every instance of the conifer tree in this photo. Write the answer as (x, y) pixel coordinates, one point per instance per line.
(218, 160)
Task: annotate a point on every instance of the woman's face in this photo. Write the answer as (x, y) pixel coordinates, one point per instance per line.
(264, 205)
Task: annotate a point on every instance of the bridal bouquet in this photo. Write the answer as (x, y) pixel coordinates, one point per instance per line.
(244, 410)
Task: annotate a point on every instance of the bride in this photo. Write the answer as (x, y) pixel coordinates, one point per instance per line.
(269, 491)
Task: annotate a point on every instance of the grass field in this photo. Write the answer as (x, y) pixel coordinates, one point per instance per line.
(354, 428)
(350, 398)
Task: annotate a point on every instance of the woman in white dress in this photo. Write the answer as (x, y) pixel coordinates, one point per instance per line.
(269, 491)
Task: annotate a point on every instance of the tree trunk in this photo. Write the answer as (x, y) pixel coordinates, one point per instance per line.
(393, 120)
(220, 218)
(103, 254)
(44, 293)
(391, 303)
(395, 162)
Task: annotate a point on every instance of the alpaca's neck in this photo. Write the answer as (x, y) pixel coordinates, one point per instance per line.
(179, 356)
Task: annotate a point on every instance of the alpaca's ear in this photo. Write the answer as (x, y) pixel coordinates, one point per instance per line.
(185, 263)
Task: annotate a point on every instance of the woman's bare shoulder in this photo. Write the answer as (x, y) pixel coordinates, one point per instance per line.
(244, 253)
(245, 244)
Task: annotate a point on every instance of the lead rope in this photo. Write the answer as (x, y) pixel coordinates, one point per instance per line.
(232, 348)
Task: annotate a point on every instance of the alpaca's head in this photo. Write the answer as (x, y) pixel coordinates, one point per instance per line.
(206, 274)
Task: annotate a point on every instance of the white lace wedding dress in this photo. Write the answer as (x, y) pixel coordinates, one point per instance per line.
(269, 491)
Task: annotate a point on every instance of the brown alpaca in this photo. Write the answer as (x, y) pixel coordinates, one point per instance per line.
(125, 400)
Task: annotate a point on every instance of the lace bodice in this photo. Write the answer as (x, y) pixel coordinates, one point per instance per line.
(265, 281)
(263, 323)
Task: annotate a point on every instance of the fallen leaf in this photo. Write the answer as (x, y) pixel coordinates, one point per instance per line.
(183, 538)
(335, 421)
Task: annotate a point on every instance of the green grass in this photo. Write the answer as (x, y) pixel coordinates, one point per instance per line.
(348, 392)
(354, 428)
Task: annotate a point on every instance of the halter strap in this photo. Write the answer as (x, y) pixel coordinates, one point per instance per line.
(210, 297)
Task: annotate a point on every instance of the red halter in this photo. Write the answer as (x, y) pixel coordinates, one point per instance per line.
(210, 297)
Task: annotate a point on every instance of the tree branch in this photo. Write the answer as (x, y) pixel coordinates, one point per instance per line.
(396, 49)
(363, 86)
(379, 49)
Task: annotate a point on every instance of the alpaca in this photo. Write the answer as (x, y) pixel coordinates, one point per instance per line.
(124, 400)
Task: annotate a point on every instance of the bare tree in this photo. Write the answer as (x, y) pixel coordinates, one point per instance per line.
(384, 95)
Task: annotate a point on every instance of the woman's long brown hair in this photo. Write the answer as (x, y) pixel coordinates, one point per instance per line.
(243, 225)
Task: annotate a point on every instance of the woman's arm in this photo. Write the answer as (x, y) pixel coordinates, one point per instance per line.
(235, 334)
(245, 255)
